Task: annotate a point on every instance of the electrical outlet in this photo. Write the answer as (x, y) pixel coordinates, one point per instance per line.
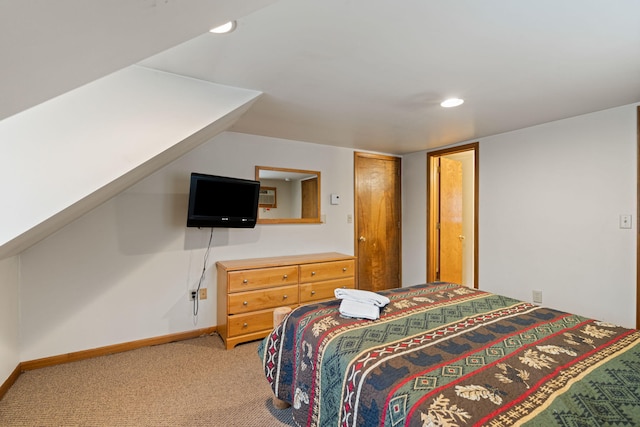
(537, 297)
(203, 293)
(192, 295)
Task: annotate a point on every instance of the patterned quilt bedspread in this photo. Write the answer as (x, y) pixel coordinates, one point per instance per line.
(447, 355)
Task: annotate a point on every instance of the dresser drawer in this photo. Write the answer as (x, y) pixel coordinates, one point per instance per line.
(260, 278)
(326, 270)
(240, 324)
(323, 290)
(243, 302)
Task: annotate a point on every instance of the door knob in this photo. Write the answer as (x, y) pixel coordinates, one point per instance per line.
(461, 237)
(362, 239)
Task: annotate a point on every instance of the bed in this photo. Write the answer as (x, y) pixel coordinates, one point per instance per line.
(446, 355)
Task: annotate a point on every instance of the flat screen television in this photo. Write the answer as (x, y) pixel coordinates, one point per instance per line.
(219, 201)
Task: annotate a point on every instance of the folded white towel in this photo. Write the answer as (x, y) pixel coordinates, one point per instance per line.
(359, 310)
(360, 295)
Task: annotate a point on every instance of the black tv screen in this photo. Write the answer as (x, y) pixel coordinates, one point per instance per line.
(218, 201)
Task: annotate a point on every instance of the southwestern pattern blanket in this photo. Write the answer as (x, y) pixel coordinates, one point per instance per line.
(447, 355)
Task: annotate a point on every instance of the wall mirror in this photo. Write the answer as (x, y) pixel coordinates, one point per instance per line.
(288, 196)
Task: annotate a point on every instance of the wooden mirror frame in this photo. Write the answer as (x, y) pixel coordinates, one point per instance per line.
(313, 200)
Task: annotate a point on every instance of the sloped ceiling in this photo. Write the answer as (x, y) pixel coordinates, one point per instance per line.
(79, 122)
(365, 74)
(51, 47)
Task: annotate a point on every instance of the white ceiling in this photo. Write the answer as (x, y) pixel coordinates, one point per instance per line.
(367, 74)
(370, 74)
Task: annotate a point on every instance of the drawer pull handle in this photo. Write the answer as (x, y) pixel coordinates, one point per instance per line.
(245, 281)
(245, 303)
(313, 273)
(344, 268)
(313, 292)
(285, 276)
(284, 297)
(245, 324)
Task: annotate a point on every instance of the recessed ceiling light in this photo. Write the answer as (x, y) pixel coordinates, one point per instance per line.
(224, 28)
(451, 102)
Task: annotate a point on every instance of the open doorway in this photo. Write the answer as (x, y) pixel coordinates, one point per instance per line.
(452, 215)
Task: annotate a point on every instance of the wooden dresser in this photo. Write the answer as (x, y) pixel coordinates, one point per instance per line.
(250, 289)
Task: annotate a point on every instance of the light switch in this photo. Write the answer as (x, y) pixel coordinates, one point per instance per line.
(625, 221)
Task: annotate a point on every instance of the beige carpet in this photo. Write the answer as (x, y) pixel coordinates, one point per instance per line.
(189, 383)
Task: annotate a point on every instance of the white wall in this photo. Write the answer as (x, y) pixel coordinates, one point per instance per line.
(122, 272)
(9, 303)
(414, 218)
(550, 200)
(550, 197)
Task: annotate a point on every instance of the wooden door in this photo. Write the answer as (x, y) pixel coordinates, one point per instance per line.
(450, 236)
(309, 190)
(378, 215)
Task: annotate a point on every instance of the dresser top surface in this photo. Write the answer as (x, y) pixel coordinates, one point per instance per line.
(240, 264)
